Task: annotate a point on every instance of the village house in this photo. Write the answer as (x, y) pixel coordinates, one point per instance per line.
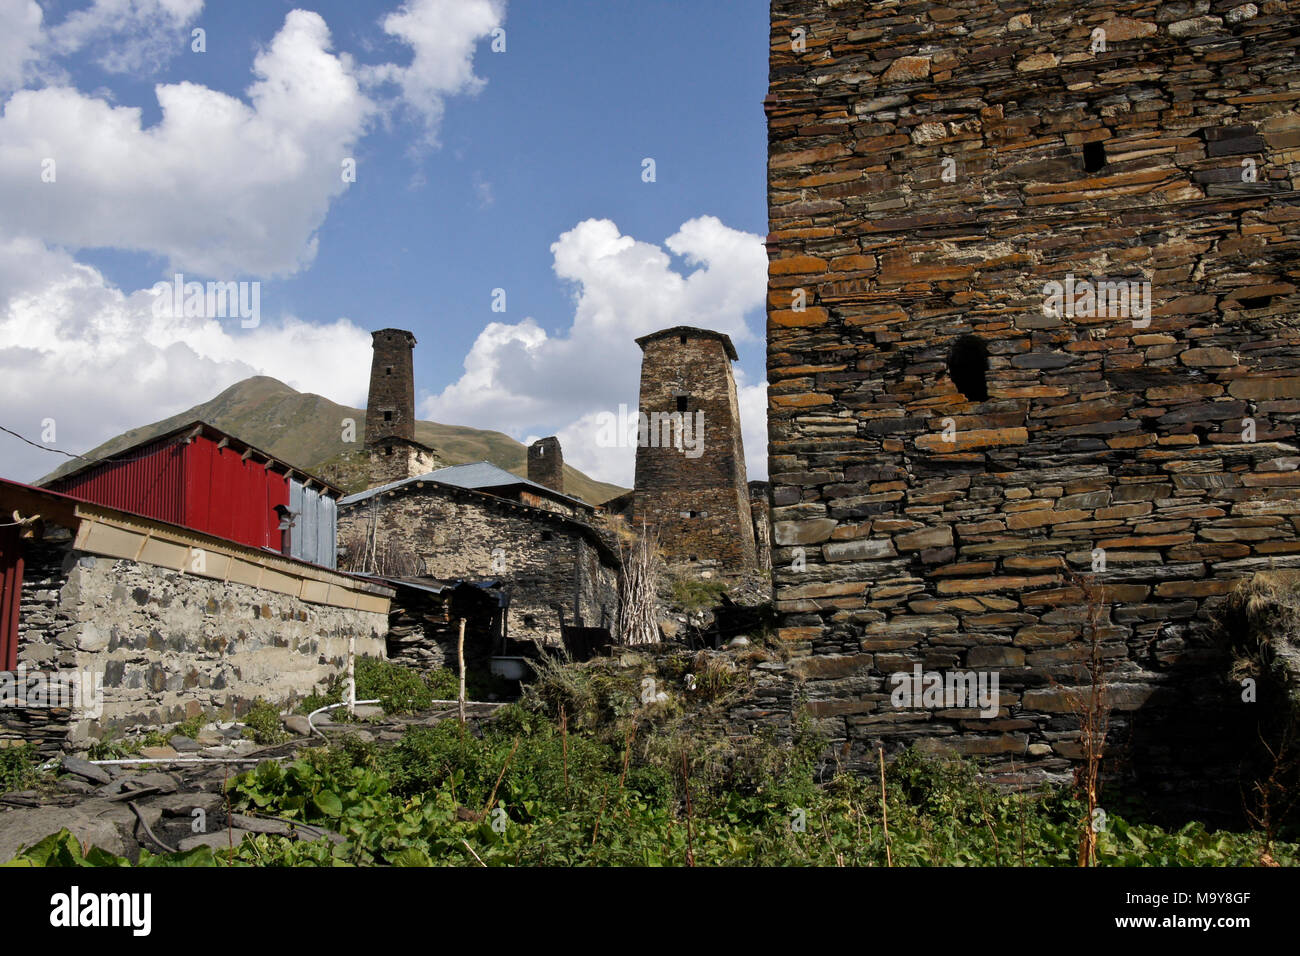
(168, 587)
(474, 523)
(479, 523)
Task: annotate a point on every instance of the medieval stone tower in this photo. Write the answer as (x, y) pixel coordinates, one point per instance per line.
(690, 465)
(1034, 350)
(393, 452)
(546, 463)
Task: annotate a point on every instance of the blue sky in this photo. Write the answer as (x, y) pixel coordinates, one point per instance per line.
(476, 170)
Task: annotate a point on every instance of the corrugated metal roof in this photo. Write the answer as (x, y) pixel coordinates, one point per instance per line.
(475, 476)
(189, 430)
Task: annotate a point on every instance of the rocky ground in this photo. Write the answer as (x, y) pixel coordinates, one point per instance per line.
(179, 802)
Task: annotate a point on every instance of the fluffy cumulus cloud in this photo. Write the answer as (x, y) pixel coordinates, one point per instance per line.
(520, 379)
(69, 340)
(442, 36)
(20, 40)
(221, 187)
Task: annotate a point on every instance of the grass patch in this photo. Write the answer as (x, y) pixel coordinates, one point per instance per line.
(18, 767)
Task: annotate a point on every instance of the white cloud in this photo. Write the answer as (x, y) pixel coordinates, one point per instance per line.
(752, 400)
(123, 36)
(218, 186)
(521, 380)
(131, 36)
(20, 38)
(442, 35)
(75, 349)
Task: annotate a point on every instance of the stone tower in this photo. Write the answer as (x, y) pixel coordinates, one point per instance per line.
(393, 452)
(690, 464)
(546, 463)
(1034, 355)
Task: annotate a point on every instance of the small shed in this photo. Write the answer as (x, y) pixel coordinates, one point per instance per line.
(202, 478)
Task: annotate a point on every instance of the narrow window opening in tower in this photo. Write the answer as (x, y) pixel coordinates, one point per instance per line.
(681, 403)
(388, 450)
(388, 416)
(388, 370)
(683, 338)
(1094, 156)
(968, 364)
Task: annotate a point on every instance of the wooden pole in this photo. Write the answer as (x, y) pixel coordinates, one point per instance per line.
(352, 674)
(884, 809)
(460, 653)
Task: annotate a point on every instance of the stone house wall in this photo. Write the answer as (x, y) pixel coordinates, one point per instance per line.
(932, 169)
(761, 511)
(544, 559)
(170, 645)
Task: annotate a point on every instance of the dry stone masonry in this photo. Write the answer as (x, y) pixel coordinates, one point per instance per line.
(169, 646)
(558, 570)
(690, 464)
(546, 463)
(391, 447)
(1032, 307)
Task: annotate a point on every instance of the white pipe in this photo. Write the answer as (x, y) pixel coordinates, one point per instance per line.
(100, 763)
(352, 674)
(321, 710)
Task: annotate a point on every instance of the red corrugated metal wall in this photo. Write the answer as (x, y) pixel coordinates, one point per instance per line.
(230, 496)
(197, 485)
(11, 595)
(151, 483)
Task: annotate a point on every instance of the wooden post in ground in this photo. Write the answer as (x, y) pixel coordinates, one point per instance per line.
(352, 674)
(460, 653)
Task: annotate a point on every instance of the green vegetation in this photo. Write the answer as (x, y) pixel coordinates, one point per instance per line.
(691, 594)
(190, 727)
(18, 767)
(524, 795)
(263, 723)
(590, 769)
(399, 689)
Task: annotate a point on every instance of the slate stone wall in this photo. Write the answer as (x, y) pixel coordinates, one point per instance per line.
(932, 170)
(390, 406)
(544, 559)
(168, 645)
(695, 495)
(546, 463)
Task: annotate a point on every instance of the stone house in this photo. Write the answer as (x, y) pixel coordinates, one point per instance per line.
(485, 524)
(143, 622)
(424, 623)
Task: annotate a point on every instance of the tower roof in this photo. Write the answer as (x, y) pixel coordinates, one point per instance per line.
(378, 332)
(691, 330)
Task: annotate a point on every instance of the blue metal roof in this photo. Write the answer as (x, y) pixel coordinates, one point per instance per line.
(475, 476)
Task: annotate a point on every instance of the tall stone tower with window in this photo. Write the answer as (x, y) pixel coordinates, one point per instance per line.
(393, 452)
(1034, 365)
(546, 463)
(690, 464)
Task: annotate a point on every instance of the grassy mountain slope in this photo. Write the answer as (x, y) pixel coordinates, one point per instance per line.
(306, 431)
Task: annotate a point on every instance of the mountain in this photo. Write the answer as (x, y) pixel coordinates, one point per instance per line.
(306, 431)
